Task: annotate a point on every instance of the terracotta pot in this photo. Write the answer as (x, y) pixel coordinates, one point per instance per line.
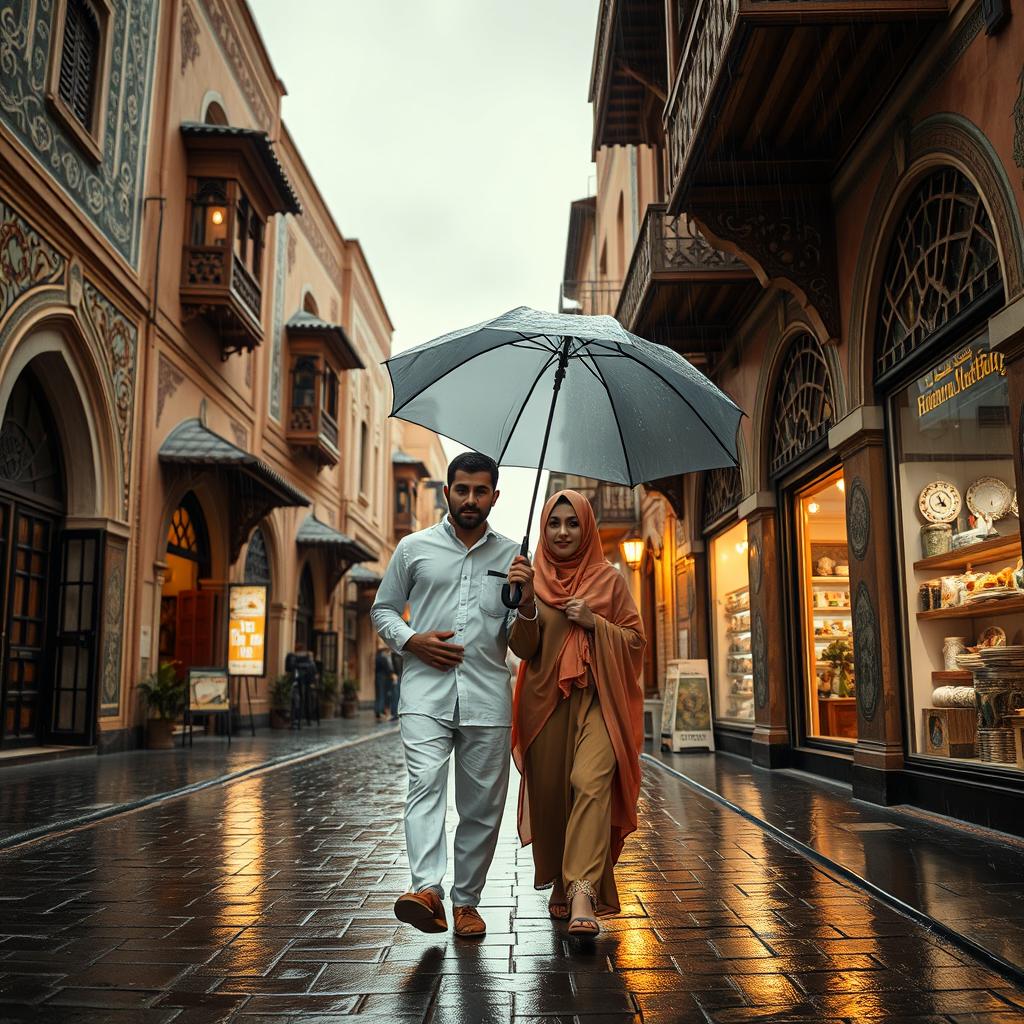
(278, 719)
(349, 708)
(159, 734)
(327, 708)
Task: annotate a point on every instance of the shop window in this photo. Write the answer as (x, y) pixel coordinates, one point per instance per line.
(829, 685)
(79, 65)
(943, 262)
(804, 403)
(304, 379)
(958, 517)
(732, 660)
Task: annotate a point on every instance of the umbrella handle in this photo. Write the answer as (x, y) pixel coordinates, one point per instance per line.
(512, 596)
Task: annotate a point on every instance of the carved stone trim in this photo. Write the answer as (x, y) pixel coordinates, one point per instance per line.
(113, 632)
(787, 240)
(1018, 124)
(858, 518)
(169, 379)
(755, 567)
(759, 654)
(321, 246)
(867, 653)
(241, 434)
(189, 37)
(117, 337)
(27, 260)
(235, 53)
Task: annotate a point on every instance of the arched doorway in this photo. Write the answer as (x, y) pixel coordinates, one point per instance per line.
(304, 615)
(48, 594)
(187, 613)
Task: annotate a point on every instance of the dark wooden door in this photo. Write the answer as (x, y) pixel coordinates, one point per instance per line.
(77, 612)
(28, 550)
(193, 642)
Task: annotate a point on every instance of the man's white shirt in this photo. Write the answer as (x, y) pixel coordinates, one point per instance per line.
(448, 586)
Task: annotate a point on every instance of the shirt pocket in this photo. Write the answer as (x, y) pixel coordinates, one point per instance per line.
(490, 593)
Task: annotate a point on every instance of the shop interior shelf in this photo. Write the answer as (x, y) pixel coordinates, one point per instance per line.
(828, 638)
(977, 610)
(829, 611)
(737, 632)
(993, 550)
(835, 581)
(951, 677)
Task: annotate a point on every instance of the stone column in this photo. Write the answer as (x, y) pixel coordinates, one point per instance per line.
(770, 745)
(877, 618)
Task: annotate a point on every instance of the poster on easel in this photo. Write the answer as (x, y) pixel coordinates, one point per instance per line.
(247, 630)
(686, 713)
(209, 693)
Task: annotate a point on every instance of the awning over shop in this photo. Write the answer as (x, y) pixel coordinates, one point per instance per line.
(254, 488)
(363, 577)
(340, 551)
(305, 325)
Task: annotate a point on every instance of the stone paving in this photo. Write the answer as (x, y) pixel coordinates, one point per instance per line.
(270, 900)
(43, 796)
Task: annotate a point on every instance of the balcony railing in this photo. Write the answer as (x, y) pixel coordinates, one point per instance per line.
(313, 428)
(591, 298)
(668, 245)
(245, 287)
(216, 285)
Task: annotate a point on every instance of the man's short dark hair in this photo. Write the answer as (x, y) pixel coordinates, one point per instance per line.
(473, 462)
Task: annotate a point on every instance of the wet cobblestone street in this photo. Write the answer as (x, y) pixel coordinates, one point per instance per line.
(270, 899)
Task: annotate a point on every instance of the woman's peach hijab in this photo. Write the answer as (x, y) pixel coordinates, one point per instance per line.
(611, 656)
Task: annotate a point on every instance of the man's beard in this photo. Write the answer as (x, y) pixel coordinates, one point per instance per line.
(473, 520)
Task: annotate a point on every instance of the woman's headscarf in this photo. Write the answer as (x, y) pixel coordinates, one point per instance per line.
(587, 574)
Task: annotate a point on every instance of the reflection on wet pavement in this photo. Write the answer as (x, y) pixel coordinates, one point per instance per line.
(270, 900)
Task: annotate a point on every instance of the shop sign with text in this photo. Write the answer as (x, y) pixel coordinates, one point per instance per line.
(247, 629)
(956, 375)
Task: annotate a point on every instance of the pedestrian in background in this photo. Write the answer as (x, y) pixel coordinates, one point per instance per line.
(383, 682)
(577, 723)
(396, 689)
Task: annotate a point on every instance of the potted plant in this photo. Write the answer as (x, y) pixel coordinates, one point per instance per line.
(349, 698)
(840, 656)
(164, 695)
(281, 702)
(328, 693)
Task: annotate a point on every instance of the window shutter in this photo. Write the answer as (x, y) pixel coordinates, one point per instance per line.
(79, 60)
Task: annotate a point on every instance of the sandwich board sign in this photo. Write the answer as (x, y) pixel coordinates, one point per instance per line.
(686, 714)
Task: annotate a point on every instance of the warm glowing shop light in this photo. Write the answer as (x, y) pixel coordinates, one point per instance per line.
(633, 551)
(814, 508)
(217, 216)
(841, 484)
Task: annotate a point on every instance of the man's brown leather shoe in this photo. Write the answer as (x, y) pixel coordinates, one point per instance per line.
(423, 910)
(468, 923)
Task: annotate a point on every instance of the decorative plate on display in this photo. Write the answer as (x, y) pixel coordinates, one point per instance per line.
(991, 594)
(989, 496)
(994, 636)
(939, 502)
(1013, 506)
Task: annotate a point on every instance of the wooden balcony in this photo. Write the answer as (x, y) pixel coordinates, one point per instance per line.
(680, 290)
(628, 86)
(315, 430)
(216, 285)
(778, 91)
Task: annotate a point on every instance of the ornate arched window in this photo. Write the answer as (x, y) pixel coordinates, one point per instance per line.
(804, 403)
(187, 536)
(257, 563)
(942, 262)
(721, 493)
(29, 449)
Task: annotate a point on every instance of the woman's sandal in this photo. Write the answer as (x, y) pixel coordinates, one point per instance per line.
(582, 925)
(558, 909)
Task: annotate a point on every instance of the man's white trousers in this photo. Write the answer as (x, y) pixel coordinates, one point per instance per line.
(481, 784)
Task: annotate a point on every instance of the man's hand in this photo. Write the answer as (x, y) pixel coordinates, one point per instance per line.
(522, 573)
(576, 611)
(433, 649)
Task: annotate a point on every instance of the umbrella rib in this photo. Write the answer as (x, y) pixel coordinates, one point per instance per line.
(672, 387)
(615, 414)
(522, 408)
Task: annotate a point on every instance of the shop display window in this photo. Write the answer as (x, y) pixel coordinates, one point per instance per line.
(827, 624)
(733, 662)
(961, 574)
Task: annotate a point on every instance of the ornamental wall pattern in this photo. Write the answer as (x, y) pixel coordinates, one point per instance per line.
(110, 194)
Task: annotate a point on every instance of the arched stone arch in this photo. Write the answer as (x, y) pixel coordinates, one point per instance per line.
(213, 504)
(72, 381)
(767, 386)
(213, 99)
(942, 140)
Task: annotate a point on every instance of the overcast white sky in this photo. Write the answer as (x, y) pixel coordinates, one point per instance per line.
(449, 137)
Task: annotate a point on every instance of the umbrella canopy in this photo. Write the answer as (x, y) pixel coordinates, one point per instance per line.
(628, 411)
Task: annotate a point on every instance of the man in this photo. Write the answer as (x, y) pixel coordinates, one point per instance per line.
(455, 692)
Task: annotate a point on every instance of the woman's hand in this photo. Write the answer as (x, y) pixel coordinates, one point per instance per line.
(576, 611)
(522, 573)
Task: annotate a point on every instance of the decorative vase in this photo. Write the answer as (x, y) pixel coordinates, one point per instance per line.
(951, 647)
(936, 539)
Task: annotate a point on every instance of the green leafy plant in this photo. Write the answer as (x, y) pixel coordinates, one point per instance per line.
(163, 692)
(350, 690)
(281, 694)
(839, 655)
(328, 685)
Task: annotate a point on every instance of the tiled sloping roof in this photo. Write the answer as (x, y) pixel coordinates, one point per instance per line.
(318, 534)
(364, 577)
(190, 443)
(307, 323)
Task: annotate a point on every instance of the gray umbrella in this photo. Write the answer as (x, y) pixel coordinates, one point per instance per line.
(588, 396)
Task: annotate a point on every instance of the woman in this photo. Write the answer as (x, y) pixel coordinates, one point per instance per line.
(577, 724)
